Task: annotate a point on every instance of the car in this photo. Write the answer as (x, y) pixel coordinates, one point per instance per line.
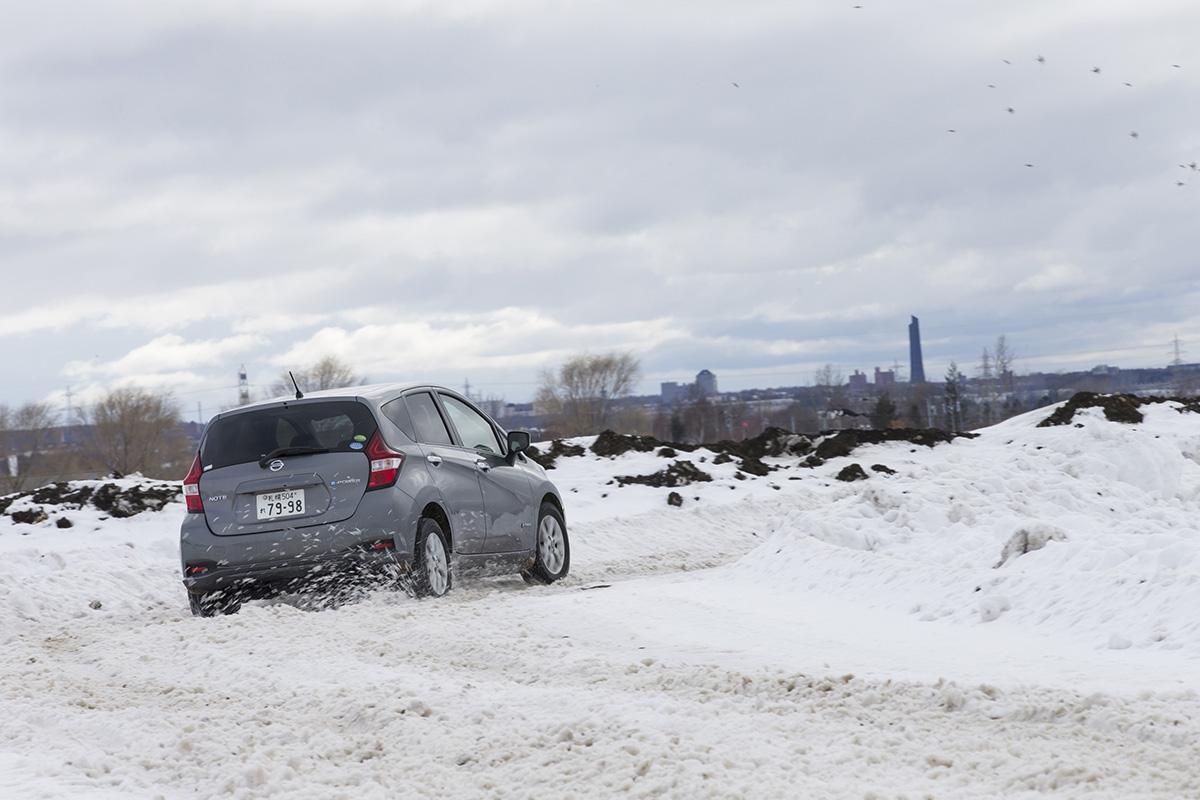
(404, 482)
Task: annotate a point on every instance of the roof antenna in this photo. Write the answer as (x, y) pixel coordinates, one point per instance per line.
(299, 394)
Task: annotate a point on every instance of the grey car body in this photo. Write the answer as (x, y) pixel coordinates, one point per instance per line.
(487, 502)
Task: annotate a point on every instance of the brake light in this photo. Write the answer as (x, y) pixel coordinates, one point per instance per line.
(385, 463)
(191, 487)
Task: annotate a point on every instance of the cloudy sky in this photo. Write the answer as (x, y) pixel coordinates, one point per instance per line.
(450, 190)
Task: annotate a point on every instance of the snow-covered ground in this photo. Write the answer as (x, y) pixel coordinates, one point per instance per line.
(788, 635)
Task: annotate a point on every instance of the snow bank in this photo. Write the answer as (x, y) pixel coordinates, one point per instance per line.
(1089, 531)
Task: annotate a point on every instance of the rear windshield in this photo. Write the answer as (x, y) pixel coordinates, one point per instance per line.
(340, 426)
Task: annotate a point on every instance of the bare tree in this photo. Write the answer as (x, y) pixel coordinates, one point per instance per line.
(1003, 359)
(134, 430)
(25, 435)
(828, 375)
(953, 397)
(579, 395)
(328, 372)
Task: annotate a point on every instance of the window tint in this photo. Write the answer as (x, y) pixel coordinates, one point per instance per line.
(475, 431)
(397, 412)
(426, 420)
(342, 425)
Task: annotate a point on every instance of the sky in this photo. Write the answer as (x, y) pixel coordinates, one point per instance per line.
(451, 191)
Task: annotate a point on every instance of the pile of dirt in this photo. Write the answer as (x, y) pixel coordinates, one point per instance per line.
(681, 473)
(852, 472)
(557, 448)
(610, 443)
(771, 442)
(114, 499)
(842, 443)
(1117, 407)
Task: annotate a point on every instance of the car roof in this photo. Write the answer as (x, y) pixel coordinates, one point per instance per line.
(374, 391)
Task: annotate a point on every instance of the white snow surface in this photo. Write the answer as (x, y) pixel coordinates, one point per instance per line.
(1016, 615)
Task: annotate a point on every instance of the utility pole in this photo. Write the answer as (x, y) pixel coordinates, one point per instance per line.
(1177, 352)
(467, 388)
(70, 420)
(199, 413)
(243, 387)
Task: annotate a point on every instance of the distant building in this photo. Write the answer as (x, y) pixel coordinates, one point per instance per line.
(884, 377)
(706, 384)
(857, 381)
(917, 365)
(672, 392)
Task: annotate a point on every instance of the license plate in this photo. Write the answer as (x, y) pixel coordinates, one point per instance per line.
(279, 504)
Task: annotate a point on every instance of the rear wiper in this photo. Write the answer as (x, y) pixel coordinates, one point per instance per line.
(290, 451)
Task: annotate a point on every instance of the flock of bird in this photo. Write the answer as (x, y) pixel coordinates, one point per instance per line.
(1096, 71)
(1041, 59)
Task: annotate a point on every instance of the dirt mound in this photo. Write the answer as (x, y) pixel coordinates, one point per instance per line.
(557, 448)
(1117, 407)
(852, 472)
(681, 473)
(609, 443)
(114, 499)
(843, 443)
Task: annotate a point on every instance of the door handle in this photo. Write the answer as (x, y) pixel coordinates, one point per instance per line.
(483, 465)
(436, 460)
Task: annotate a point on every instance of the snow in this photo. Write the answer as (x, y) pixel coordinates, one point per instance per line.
(1009, 616)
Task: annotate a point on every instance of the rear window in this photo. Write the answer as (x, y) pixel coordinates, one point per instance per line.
(340, 426)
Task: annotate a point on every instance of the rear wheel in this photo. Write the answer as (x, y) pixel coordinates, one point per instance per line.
(213, 604)
(553, 552)
(432, 576)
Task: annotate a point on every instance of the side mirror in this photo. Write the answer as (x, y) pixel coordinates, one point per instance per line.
(518, 442)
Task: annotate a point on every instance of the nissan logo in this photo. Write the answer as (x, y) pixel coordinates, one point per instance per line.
(276, 465)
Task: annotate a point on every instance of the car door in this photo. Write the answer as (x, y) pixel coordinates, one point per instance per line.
(452, 470)
(507, 490)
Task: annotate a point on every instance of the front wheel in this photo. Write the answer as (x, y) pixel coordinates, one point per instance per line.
(553, 553)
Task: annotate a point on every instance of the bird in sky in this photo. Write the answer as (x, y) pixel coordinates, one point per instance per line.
(991, 86)
(735, 85)
(1180, 183)
(1006, 61)
(1041, 59)
(1133, 134)
(1192, 164)
(1028, 164)
(1096, 70)
(1012, 110)
(1177, 66)
(951, 130)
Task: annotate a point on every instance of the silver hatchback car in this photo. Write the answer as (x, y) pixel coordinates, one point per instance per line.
(407, 482)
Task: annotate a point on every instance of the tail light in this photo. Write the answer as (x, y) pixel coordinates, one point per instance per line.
(191, 487)
(385, 463)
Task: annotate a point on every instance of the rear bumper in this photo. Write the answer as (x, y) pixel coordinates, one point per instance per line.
(326, 571)
(297, 558)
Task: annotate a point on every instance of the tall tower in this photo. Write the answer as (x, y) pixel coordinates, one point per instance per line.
(916, 371)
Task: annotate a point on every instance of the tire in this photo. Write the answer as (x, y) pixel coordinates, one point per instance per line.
(213, 604)
(432, 576)
(552, 550)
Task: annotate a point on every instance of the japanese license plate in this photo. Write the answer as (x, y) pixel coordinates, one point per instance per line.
(279, 504)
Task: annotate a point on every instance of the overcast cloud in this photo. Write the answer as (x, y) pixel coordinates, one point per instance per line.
(473, 190)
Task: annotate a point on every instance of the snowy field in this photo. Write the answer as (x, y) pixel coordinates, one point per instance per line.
(1016, 616)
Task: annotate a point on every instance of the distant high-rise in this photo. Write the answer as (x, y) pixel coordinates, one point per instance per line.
(916, 372)
(706, 383)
